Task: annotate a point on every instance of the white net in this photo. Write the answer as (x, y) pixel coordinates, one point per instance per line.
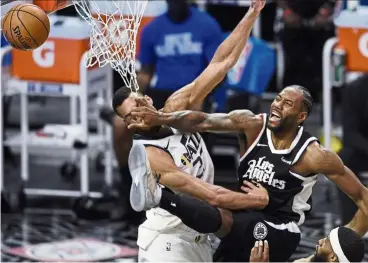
(114, 29)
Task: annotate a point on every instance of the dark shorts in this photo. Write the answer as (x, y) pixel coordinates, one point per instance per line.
(250, 226)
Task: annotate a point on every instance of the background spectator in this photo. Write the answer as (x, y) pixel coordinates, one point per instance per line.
(175, 49)
(355, 139)
(305, 26)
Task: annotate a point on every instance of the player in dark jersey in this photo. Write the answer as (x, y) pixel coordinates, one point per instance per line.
(277, 154)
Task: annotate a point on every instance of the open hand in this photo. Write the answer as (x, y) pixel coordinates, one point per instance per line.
(144, 117)
(258, 5)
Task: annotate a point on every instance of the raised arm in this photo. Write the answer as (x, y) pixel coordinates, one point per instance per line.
(359, 223)
(197, 121)
(327, 162)
(225, 57)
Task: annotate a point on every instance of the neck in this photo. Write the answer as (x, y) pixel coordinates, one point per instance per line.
(283, 139)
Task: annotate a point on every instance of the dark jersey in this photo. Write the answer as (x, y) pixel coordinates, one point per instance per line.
(289, 193)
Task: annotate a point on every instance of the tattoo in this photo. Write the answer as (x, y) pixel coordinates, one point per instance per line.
(196, 121)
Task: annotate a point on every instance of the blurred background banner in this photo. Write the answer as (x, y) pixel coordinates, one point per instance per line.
(254, 69)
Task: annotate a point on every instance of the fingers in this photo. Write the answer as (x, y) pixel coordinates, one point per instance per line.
(245, 189)
(260, 249)
(137, 126)
(142, 101)
(260, 252)
(266, 251)
(137, 113)
(249, 184)
(253, 255)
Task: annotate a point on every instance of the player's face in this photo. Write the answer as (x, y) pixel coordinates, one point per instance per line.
(324, 252)
(177, 7)
(127, 106)
(286, 110)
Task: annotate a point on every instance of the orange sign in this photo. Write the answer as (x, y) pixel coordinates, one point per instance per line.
(355, 42)
(57, 60)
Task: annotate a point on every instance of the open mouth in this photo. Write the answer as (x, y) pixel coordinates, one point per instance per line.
(275, 116)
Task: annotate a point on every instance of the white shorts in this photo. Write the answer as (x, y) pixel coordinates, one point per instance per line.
(176, 246)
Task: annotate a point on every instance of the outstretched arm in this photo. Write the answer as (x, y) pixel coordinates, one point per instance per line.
(196, 121)
(172, 177)
(329, 163)
(225, 57)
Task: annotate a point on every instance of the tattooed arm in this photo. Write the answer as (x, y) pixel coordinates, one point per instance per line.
(196, 121)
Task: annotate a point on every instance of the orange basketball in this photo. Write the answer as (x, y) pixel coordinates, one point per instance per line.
(26, 26)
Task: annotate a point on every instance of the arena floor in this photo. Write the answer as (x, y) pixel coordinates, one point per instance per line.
(48, 221)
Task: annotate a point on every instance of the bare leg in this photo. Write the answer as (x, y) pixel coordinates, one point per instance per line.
(122, 145)
(170, 176)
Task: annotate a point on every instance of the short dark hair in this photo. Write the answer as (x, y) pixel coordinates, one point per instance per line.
(351, 244)
(307, 98)
(119, 97)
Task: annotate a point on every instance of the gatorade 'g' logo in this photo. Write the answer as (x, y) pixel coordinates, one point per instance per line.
(44, 56)
(363, 44)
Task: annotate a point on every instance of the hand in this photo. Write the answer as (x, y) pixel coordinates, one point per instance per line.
(258, 5)
(255, 189)
(144, 117)
(145, 101)
(260, 252)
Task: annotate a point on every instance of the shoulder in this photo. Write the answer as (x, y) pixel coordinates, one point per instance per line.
(318, 159)
(247, 118)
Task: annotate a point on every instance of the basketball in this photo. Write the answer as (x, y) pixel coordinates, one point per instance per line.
(26, 26)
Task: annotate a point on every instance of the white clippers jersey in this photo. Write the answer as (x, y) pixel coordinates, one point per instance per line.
(190, 155)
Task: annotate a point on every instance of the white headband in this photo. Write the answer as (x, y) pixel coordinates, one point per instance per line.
(335, 243)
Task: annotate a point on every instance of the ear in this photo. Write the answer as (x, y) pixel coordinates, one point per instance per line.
(302, 117)
(332, 257)
(149, 99)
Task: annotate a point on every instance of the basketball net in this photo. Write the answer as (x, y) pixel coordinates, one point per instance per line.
(114, 28)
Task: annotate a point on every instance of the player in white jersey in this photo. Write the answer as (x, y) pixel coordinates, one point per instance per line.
(163, 236)
(154, 234)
